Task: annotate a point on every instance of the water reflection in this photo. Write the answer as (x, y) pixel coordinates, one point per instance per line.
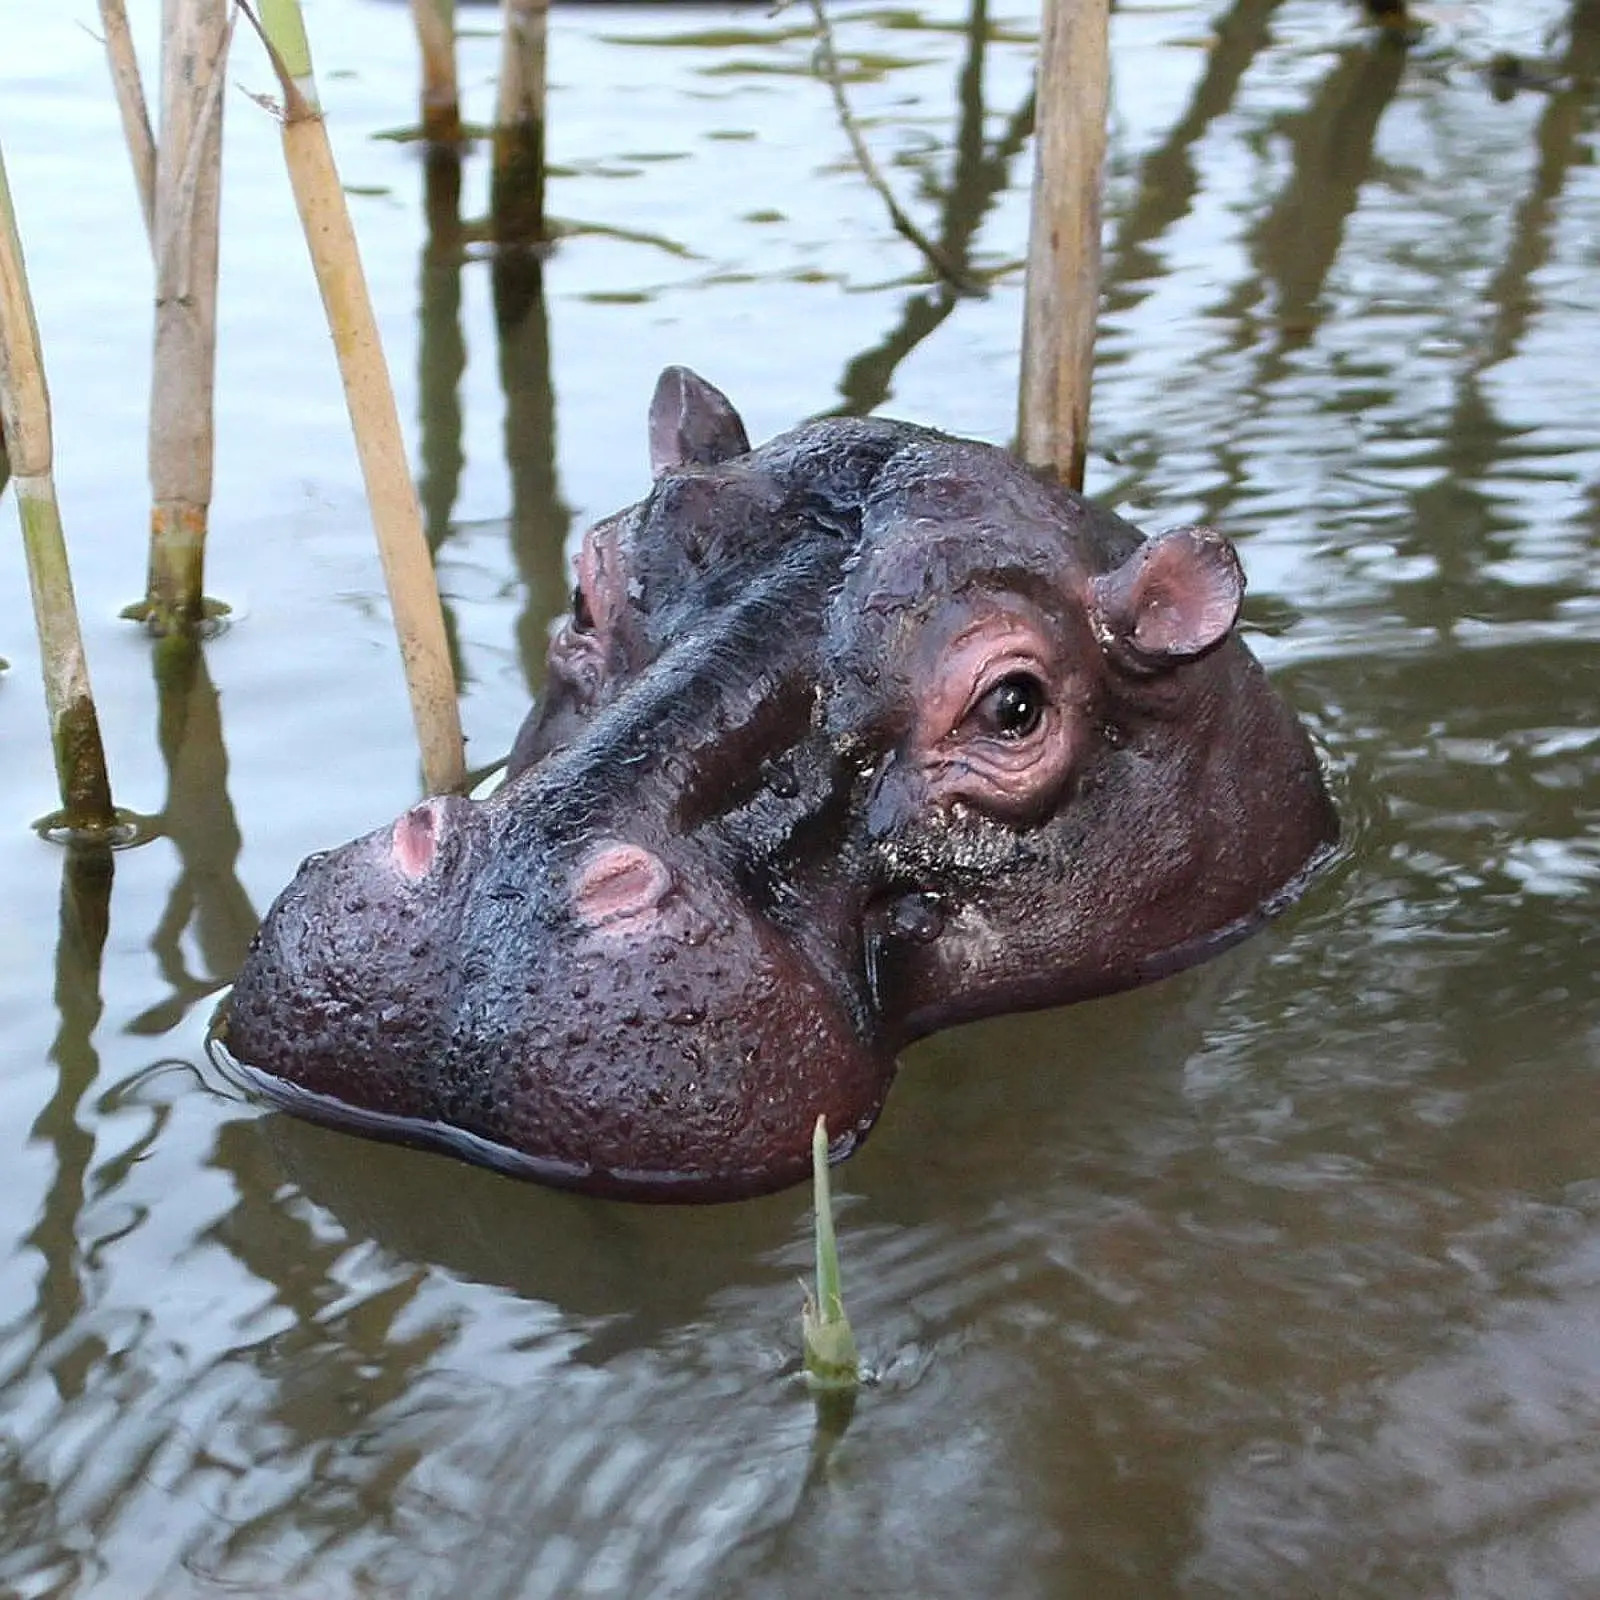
(206, 901)
(979, 174)
(46, 1343)
(540, 519)
(441, 361)
(1476, 525)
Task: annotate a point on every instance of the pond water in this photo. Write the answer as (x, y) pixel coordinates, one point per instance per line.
(1278, 1278)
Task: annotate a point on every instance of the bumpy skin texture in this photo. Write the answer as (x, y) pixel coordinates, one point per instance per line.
(848, 738)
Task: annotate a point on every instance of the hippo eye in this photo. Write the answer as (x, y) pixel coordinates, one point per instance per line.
(582, 616)
(1012, 709)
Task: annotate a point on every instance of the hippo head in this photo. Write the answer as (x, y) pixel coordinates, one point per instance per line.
(847, 738)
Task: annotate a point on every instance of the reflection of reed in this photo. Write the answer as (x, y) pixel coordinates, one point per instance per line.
(86, 876)
(45, 1338)
(981, 173)
(1480, 528)
(441, 347)
(539, 517)
(1562, 145)
(1167, 181)
(978, 177)
(441, 361)
(206, 898)
(1296, 241)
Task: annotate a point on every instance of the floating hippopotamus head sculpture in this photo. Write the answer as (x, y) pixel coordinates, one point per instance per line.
(847, 738)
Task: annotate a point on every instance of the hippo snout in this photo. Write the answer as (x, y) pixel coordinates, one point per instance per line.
(609, 1023)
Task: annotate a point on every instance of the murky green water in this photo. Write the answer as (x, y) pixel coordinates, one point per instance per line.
(1281, 1278)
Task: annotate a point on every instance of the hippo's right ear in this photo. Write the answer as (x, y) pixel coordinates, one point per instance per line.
(1173, 600)
(692, 423)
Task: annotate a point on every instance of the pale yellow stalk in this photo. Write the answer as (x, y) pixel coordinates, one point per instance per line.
(131, 104)
(1062, 301)
(188, 198)
(441, 94)
(25, 418)
(391, 494)
(517, 188)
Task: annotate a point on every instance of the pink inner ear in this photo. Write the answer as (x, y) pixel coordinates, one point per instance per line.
(1175, 597)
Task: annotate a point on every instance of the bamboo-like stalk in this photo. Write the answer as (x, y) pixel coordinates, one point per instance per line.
(188, 196)
(25, 414)
(396, 515)
(131, 103)
(441, 94)
(516, 198)
(1062, 300)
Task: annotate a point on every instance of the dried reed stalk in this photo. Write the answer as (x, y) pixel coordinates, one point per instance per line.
(25, 416)
(131, 103)
(1062, 300)
(441, 94)
(517, 187)
(391, 494)
(188, 198)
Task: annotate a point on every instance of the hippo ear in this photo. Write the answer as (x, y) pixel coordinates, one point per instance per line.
(1176, 597)
(692, 423)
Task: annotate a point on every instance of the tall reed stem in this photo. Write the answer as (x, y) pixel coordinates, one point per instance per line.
(188, 199)
(391, 494)
(131, 104)
(25, 417)
(1062, 302)
(441, 94)
(517, 188)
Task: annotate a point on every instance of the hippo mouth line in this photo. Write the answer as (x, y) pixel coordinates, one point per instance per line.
(443, 1138)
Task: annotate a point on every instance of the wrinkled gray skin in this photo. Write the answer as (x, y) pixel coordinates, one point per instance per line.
(847, 738)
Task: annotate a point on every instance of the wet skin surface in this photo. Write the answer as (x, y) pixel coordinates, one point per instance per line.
(847, 739)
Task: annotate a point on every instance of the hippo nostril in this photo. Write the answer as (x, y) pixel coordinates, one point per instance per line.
(619, 881)
(416, 840)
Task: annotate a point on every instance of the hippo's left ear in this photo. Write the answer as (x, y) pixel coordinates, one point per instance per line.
(692, 423)
(1176, 597)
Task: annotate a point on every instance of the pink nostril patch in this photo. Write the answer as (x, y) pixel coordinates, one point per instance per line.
(415, 841)
(620, 881)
